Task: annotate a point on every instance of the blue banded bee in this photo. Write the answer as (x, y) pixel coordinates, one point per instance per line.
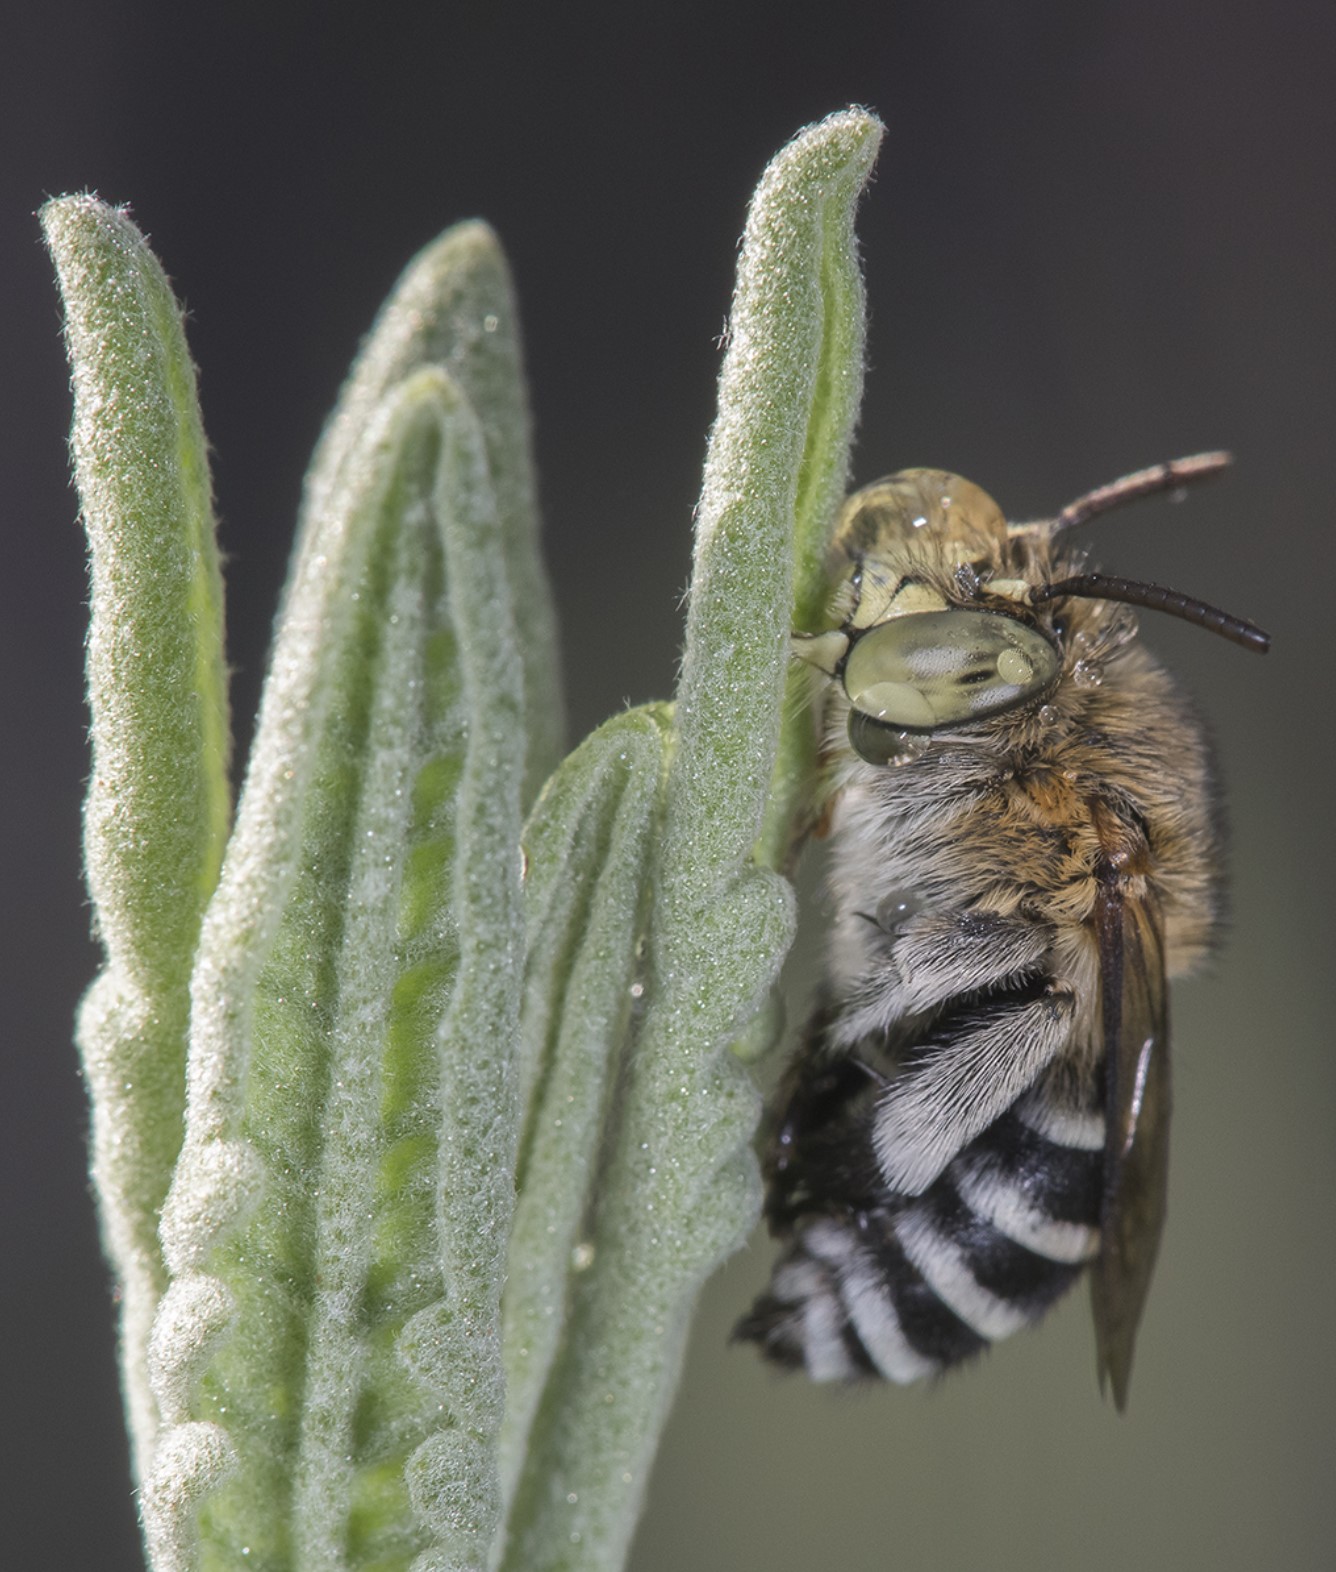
(1024, 847)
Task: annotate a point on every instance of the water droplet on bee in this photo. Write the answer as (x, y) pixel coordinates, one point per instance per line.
(910, 745)
(1086, 675)
(1013, 667)
(884, 745)
(895, 910)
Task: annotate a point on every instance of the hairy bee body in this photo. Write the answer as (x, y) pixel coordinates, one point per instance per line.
(1023, 846)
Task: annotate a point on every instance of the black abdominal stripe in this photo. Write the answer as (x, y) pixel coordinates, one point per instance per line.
(903, 1286)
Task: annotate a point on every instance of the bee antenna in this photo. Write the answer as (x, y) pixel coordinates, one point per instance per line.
(1099, 586)
(1144, 483)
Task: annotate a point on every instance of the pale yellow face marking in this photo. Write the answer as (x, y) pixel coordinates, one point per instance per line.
(876, 591)
(913, 598)
(825, 651)
(1010, 589)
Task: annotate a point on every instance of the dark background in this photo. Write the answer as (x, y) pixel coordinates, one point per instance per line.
(1100, 235)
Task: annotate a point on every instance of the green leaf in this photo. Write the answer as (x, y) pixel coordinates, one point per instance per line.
(158, 802)
(679, 1189)
(823, 479)
(376, 1058)
(587, 845)
(454, 306)
(336, 1228)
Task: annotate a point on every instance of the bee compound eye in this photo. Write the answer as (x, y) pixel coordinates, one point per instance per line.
(930, 671)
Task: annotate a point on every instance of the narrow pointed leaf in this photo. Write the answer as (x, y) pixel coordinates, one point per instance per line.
(329, 1348)
(587, 846)
(158, 802)
(454, 306)
(454, 1476)
(680, 1189)
(823, 479)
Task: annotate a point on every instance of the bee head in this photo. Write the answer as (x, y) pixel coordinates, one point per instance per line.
(945, 605)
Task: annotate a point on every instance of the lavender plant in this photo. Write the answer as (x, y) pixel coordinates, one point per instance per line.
(415, 1124)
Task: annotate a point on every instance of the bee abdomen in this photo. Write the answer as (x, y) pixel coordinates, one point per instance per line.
(910, 1286)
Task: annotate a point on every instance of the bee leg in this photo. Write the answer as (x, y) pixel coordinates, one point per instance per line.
(968, 1070)
(929, 959)
(826, 1113)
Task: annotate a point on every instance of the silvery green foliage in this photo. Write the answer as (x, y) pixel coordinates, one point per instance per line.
(680, 1190)
(157, 811)
(462, 1132)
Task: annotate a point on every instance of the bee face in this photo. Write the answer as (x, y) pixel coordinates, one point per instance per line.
(937, 629)
(1024, 846)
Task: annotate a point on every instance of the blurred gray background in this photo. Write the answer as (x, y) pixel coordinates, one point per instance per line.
(1100, 235)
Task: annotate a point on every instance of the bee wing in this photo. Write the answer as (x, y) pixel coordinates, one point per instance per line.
(1136, 1148)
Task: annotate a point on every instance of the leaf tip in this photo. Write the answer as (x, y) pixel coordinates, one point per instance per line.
(467, 248)
(83, 214)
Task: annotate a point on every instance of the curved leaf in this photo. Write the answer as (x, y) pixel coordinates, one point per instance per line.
(680, 1188)
(454, 307)
(158, 802)
(344, 1191)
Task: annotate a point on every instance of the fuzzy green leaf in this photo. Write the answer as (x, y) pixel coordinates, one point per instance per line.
(158, 802)
(340, 1380)
(822, 482)
(454, 306)
(680, 1189)
(587, 845)
(337, 1224)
